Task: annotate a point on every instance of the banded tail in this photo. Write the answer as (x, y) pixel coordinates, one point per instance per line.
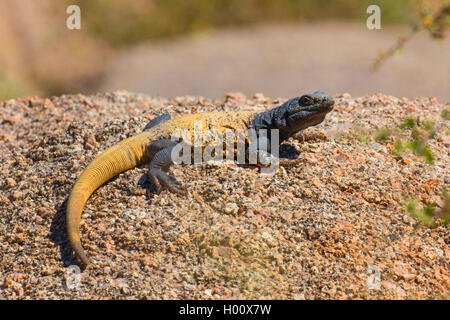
(123, 156)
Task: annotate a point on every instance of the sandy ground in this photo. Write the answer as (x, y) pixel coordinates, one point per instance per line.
(332, 227)
(284, 60)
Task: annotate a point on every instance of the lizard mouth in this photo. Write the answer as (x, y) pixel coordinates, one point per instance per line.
(305, 116)
(325, 106)
(328, 106)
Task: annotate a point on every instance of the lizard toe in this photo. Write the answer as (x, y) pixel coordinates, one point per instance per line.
(167, 181)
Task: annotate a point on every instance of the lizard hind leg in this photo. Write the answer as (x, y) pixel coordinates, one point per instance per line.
(166, 180)
(159, 166)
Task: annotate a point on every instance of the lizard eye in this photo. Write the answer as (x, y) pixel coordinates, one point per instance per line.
(306, 100)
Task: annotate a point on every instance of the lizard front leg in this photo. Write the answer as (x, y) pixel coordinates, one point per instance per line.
(267, 159)
(159, 165)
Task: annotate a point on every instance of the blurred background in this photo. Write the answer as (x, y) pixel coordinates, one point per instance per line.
(282, 48)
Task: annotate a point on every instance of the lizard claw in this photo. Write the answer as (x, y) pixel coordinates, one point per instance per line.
(174, 185)
(162, 179)
(178, 189)
(156, 185)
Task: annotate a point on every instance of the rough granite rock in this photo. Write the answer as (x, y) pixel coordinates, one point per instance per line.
(324, 229)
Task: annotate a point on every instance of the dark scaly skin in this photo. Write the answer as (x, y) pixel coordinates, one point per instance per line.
(154, 146)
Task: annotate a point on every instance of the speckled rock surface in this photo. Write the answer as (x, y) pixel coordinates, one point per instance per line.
(332, 227)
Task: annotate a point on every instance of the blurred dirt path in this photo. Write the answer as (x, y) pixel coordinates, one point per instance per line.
(284, 61)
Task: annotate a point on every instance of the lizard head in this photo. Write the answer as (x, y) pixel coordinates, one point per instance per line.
(305, 111)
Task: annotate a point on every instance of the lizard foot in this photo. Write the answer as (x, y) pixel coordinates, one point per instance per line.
(161, 179)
